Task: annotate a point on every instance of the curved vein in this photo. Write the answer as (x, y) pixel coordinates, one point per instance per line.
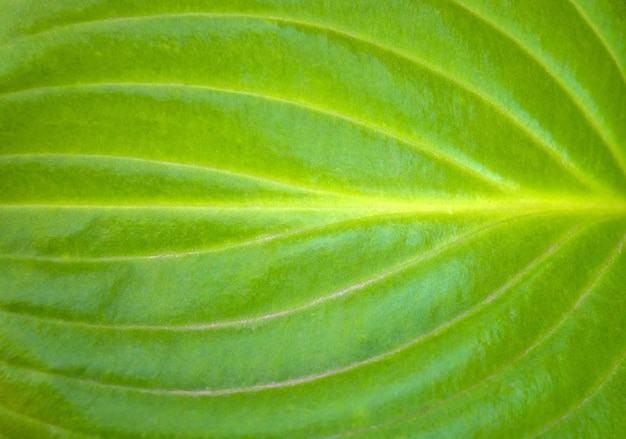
(238, 244)
(539, 340)
(456, 160)
(270, 316)
(303, 380)
(600, 37)
(612, 371)
(36, 421)
(241, 175)
(503, 110)
(599, 131)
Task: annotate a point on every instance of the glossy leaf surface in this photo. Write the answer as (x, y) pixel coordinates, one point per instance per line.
(285, 218)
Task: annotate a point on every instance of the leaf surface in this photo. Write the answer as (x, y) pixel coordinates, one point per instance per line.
(288, 218)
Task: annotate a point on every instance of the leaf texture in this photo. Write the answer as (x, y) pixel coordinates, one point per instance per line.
(287, 218)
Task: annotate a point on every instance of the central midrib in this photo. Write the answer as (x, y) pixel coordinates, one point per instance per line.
(589, 205)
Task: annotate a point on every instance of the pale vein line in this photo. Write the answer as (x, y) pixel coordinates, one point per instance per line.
(507, 113)
(612, 371)
(600, 37)
(238, 244)
(454, 158)
(226, 207)
(615, 368)
(555, 153)
(270, 316)
(444, 205)
(542, 337)
(37, 421)
(612, 148)
(373, 211)
(241, 175)
(291, 382)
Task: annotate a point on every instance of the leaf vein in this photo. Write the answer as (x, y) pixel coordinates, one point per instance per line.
(594, 390)
(270, 316)
(452, 158)
(36, 421)
(503, 110)
(298, 381)
(209, 169)
(600, 37)
(542, 337)
(612, 148)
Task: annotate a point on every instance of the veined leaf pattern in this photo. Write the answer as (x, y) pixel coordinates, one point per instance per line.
(287, 218)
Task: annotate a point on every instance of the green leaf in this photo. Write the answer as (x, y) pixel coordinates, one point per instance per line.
(309, 218)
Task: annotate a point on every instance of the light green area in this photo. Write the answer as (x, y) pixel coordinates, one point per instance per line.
(289, 218)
